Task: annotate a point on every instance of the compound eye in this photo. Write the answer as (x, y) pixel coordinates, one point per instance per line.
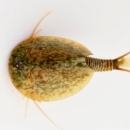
(19, 65)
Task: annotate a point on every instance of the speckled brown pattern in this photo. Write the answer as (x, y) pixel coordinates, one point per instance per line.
(49, 68)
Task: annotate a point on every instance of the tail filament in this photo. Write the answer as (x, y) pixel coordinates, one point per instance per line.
(119, 63)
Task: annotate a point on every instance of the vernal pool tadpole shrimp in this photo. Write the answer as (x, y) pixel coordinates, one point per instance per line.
(48, 68)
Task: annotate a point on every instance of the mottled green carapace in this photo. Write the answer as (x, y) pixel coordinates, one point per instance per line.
(49, 68)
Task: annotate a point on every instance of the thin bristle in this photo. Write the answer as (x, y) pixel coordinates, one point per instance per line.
(33, 32)
(46, 115)
(26, 108)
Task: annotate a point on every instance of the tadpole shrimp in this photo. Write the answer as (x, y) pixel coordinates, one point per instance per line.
(48, 68)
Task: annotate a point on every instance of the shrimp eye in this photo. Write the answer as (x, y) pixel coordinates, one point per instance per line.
(19, 65)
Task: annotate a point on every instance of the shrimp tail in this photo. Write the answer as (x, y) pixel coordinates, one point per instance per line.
(122, 63)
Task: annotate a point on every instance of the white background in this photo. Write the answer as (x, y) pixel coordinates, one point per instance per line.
(103, 26)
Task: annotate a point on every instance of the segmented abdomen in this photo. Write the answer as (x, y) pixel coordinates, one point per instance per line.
(99, 64)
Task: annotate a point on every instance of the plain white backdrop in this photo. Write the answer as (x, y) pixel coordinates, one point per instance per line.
(102, 26)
